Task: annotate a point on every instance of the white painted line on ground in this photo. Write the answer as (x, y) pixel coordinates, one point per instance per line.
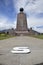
(20, 50)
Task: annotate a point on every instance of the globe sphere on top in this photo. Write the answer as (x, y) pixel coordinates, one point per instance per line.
(21, 9)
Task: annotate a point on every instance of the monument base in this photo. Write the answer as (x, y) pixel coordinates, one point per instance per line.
(19, 33)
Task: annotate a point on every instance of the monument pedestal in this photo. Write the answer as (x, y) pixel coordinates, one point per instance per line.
(21, 32)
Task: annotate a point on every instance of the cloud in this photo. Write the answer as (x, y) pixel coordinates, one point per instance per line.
(30, 6)
(5, 23)
(18, 4)
(35, 23)
(33, 9)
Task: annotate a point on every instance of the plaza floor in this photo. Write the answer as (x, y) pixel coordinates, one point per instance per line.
(33, 58)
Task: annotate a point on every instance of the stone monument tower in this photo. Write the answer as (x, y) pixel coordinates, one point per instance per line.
(21, 22)
(21, 27)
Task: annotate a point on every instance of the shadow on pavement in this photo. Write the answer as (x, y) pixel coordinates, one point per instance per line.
(39, 64)
(1, 54)
(1, 64)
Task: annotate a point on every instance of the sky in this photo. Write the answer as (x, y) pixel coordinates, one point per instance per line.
(10, 8)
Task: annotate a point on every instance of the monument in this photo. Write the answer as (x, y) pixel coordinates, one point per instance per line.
(21, 27)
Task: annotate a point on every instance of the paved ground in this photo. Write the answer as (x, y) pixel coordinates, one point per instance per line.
(35, 45)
